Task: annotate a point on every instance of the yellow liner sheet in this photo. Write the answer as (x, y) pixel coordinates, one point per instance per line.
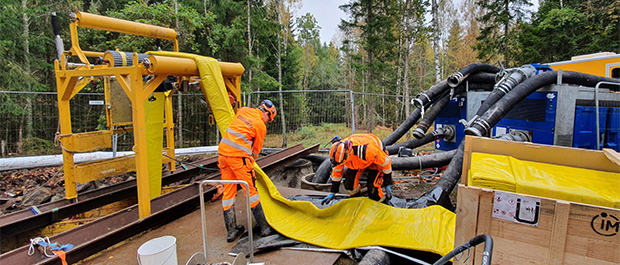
(350, 223)
(545, 180)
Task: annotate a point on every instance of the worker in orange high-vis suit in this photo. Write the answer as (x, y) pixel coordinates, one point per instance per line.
(358, 153)
(238, 149)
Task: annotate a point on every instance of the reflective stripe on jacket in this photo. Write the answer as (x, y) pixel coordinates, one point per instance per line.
(245, 135)
(368, 152)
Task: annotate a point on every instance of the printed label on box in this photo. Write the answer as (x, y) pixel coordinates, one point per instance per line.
(519, 209)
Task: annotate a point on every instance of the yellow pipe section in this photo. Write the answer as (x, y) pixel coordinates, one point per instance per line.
(92, 21)
(187, 67)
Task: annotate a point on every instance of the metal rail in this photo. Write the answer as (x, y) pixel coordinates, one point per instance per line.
(26, 220)
(104, 232)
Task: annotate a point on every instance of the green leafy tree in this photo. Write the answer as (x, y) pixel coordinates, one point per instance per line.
(496, 39)
(377, 22)
(562, 29)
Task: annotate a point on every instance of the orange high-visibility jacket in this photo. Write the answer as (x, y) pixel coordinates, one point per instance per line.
(367, 153)
(245, 135)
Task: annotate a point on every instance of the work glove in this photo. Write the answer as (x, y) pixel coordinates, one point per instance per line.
(327, 199)
(388, 193)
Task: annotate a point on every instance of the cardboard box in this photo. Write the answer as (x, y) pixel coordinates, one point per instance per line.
(535, 230)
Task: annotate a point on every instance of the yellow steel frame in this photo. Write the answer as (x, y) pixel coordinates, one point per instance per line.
(130, 78)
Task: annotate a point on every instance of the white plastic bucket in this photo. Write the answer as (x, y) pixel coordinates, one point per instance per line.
(158, 251)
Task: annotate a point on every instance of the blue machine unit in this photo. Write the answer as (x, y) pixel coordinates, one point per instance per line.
(450, 116)
(613, 129)
(534, 115)
(585, 127)
(556, 115)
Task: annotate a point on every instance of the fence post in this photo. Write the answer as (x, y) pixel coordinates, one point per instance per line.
(352, 112)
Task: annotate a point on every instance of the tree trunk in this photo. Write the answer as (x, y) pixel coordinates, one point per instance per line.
(249, 48)
(282, 118)
(505, 42)
(436, 33)
(406, 75)
(26, 35)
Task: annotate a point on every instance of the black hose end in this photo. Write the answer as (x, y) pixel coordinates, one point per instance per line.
(55, 24)
(473, 131)
(417, 102)
(455, 79)
(418, 133)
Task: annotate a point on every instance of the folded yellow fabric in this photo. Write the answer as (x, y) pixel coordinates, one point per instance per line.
(545, 180)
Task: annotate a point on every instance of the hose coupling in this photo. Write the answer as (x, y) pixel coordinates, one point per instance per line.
(418, 133)
(455, 79)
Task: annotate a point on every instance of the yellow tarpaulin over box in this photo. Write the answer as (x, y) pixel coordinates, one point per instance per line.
(348, 224)
(574, 184)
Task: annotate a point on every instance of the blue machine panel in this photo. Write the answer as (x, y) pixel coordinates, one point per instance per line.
(613, 129)
(584, 134)
(535, 114)
(450, 116)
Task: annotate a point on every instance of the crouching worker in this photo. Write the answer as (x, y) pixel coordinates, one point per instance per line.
(237, 151)
(360, 152)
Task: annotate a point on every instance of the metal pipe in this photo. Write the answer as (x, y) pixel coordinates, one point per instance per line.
(598, 130)
(204, 218)
(167, 65)
(93, 21)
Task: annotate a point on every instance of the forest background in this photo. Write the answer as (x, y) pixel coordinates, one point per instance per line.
(392, 47)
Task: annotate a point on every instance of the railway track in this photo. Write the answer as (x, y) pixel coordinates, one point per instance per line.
(104, 232)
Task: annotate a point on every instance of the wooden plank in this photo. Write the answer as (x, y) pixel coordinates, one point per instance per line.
(485, 211)
(466, 159)
(558, 233)
(466, 217)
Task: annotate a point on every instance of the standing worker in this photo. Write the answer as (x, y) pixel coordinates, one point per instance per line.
(358, 153)
(238, 149)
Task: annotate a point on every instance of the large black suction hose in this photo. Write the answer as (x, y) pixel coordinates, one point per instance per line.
(484, 123)
(511, 79)
(455, 79)
(437, 159)
(60, 48)
(486, 255)
(445, 133)
(403, 128)
(429, 95)
(322, 172)
(430, 116)
(482, 78)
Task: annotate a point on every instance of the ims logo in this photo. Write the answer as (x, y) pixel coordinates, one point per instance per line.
(605, 224)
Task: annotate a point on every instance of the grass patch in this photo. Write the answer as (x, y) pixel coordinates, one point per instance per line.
(311, 135)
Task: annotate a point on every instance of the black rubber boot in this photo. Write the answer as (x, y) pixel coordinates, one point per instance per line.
(259, 215)
(234, 230)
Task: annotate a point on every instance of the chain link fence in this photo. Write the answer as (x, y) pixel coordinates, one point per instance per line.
(193, 126)
(358, 111)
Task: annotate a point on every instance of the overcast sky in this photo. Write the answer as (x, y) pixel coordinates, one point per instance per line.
(326, 13)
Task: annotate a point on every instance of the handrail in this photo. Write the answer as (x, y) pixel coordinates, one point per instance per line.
(204, 218)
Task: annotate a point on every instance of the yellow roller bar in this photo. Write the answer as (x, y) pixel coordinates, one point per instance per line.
(187, 67)
(92, 21)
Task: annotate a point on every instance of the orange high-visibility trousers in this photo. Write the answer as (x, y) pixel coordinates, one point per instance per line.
(237, 168)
